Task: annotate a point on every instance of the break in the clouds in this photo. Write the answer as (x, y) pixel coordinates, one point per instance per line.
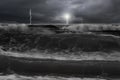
(51, 11)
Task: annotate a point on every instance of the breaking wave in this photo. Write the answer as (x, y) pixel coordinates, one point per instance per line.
(66, 55)
(20, 77)
(29, 65)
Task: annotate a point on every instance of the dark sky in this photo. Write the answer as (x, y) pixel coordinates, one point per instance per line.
(52, 11)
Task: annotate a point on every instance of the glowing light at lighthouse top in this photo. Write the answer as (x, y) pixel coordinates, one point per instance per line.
(67, 18)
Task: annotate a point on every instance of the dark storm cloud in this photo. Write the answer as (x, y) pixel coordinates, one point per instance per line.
(50, 11)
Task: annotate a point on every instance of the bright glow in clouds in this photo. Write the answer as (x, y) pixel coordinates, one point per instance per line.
(67, 18)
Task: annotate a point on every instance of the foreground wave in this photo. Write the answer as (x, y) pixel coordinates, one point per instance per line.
(20, 77)
(34, 66)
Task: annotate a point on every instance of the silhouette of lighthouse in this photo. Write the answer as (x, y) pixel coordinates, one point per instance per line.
(30, 16)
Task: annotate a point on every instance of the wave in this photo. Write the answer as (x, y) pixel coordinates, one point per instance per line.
(83, 54)
(66, 55)
(20, 77)
(18, 41)
(37, 66)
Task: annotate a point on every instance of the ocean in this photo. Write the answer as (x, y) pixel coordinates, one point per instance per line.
(19, 50)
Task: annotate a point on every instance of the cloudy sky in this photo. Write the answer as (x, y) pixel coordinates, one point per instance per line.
(52, 11)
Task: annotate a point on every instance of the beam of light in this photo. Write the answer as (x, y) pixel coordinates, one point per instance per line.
(67, 17)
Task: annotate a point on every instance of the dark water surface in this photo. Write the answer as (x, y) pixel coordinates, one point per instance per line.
(77, 55)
